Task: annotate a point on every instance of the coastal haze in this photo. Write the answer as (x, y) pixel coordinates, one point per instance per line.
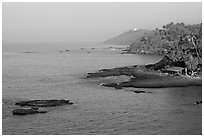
(48, 49)
(79, 22)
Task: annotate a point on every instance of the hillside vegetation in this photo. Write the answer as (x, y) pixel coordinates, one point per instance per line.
(127, 38)
(160, 40)
(180, 44)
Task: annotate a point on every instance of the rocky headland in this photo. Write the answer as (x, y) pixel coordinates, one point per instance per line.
(127, 37)
(181, 47)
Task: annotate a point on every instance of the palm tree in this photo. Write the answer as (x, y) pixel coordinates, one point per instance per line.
(193, 39)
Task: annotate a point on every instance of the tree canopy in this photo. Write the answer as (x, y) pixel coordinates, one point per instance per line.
(179, 42)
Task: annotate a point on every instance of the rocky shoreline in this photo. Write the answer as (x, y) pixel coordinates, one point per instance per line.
(145, 77)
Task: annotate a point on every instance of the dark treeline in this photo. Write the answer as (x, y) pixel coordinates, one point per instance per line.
(181, 44)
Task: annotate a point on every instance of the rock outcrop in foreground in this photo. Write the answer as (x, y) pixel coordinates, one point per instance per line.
(44, 103)
(27, 111)
(36, 106)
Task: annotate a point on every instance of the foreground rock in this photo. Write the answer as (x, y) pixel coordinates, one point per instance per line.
(28, 111)
(44, 103)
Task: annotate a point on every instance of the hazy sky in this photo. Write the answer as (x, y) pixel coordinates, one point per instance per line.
(67, 22)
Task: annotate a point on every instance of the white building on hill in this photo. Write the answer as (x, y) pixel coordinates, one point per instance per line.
(135, 29)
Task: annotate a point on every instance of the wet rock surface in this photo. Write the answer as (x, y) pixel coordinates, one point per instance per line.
(147, 76)
(115, 85)
(44, 103)
(139, 91)
(28, 111)
(128, 71)
(35, 106)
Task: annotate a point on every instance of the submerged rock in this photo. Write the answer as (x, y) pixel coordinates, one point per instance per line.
(198, 102)
(139, 91)
(28, 111)
(27, 52)
(115, 85)
(44, 103)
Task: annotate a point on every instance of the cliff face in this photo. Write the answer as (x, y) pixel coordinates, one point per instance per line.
(127, 38)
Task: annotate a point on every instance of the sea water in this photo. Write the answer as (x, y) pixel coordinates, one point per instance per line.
(48, 71)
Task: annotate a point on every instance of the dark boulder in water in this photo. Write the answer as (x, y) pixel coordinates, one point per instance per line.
(70, 103)
(198, 102)
(44, 103)
(28, 111)
(115, 85)
(139, 91)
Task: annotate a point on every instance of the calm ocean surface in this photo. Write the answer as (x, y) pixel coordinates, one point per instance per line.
(41, 71)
